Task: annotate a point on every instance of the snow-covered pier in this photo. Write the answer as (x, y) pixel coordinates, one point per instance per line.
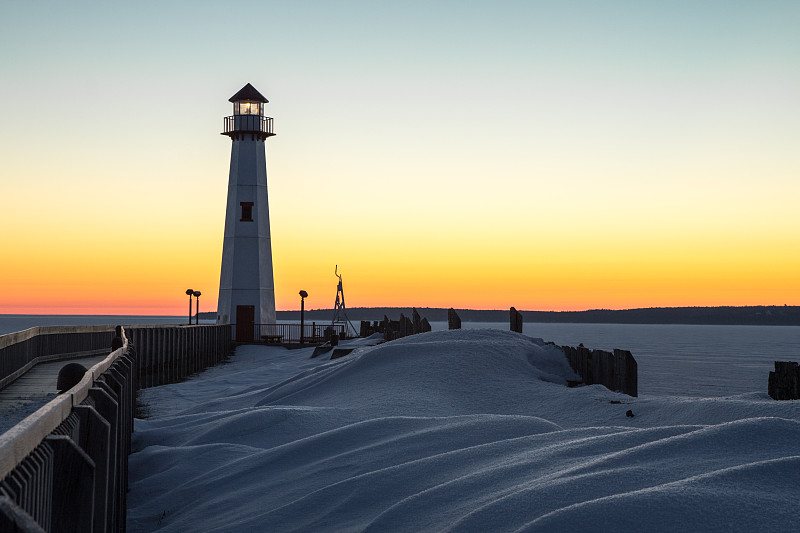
(463, 430)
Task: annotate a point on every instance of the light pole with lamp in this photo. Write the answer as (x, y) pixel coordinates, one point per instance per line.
(197, 319)
(303, 296)
(190, 292)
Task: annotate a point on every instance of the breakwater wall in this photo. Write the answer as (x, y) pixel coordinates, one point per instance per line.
(616, 371)
(65, 467)
(395, 329)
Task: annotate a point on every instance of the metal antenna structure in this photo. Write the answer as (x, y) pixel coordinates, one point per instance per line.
(340, 310)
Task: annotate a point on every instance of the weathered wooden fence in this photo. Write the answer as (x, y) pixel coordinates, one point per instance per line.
(616, 371)
(453, 320)
(395, 329)
(65, 467)
(784, 382)
(515, 320)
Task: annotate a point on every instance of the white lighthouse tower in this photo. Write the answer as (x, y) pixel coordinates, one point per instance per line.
(246, 286)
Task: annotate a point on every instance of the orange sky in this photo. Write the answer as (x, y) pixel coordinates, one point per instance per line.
(533, 155)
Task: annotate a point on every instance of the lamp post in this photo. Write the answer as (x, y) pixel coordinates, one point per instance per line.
(197, 319)
(190, 292)
(303, 296)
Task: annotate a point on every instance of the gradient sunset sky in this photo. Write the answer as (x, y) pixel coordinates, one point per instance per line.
(547, 155)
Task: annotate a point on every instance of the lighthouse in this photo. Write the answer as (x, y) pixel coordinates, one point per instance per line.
(246, 286)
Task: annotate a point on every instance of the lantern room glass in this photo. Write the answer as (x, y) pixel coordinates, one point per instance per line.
(247, 107)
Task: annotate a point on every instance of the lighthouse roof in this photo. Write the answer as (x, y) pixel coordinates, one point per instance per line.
(248, 92)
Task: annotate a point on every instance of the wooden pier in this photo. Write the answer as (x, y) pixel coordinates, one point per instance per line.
(35, 388)
(64, 466)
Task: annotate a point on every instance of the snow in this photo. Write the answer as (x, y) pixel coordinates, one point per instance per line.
(466, 430)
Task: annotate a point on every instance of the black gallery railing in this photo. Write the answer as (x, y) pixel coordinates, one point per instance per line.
(247, 123)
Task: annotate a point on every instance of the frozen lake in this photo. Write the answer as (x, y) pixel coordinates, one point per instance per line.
(12, 323)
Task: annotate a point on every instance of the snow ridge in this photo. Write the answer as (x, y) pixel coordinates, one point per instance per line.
(467, 430)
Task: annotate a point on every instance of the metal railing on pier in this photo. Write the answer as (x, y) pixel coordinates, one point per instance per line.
(287, 333)
(169, 354)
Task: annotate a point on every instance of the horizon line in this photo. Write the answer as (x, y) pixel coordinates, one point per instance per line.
(428, 307)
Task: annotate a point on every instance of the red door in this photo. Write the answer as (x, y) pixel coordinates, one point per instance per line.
(245, 323)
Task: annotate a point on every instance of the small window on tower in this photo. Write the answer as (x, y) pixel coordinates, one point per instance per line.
(247, 211)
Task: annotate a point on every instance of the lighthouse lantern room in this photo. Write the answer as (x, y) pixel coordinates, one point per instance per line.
(246, 287)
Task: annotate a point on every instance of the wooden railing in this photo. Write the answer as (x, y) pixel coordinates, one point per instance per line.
(20, 351)
(65, 467)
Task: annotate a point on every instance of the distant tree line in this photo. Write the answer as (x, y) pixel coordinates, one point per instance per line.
(750, 315)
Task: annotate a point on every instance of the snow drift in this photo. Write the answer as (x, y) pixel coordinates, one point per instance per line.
(465, 430)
